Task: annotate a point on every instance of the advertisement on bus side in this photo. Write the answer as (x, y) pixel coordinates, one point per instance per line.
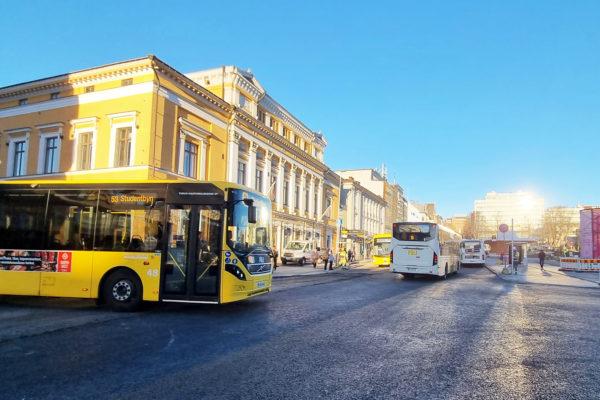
(35, 260)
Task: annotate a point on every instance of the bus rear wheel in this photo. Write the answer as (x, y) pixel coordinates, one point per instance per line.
(122, 291)
(408, 276)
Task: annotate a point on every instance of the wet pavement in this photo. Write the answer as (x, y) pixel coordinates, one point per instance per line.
(357, 334)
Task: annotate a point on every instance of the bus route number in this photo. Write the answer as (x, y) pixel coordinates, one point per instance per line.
(152, 273)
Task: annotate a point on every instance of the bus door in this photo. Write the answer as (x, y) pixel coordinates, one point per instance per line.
(192, 263)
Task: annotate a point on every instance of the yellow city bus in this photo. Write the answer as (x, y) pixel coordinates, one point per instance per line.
(128, 242)
(381, 249)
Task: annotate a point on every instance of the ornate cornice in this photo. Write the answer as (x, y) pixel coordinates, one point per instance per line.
(86, 77)
(265, 133)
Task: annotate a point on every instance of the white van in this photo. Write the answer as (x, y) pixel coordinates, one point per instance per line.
(472, 252)
(422, 248)
(297, 251)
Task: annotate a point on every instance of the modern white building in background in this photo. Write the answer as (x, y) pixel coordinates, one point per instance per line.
(526, 210)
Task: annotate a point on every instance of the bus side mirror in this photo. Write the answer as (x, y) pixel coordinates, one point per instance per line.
(252, 214)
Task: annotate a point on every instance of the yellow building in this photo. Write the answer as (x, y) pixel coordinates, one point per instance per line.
(137, 119)
(142, 119)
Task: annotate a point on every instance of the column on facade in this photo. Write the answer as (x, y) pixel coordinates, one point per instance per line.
(311, 197)
(292, 189)
(251, 177)
(233, 154)
(319, 199)
(266, 183)
(280, 179)
(302, 197)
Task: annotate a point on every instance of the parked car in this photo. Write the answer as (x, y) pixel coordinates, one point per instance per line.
(297, 251)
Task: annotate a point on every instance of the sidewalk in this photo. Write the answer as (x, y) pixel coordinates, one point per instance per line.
(533, 274)
(285, 271)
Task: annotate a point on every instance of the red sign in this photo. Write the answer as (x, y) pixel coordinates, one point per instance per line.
(64, 261)
(503, 228)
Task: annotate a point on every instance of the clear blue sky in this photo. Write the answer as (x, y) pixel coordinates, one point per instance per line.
(456, 97)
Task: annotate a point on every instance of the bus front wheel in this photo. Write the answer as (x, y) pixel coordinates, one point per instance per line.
(122, 291)
(445, 276)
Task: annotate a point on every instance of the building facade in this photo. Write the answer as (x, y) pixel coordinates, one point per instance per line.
(138, 119)
(362, 215)
(524, 209)
(272, 151)
(391, 193)
(142, 119)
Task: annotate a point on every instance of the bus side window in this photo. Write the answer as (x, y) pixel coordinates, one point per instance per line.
(70, 220)
(22, 214)
(129, 221)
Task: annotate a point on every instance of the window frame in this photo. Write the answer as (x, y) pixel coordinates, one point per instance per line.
(10, 160)
(43, 139)
(193, 169)
(114, 126)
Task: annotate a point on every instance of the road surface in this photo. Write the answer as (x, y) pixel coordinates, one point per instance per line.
(361, 334)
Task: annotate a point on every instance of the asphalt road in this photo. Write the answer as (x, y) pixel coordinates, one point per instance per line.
(352, 335)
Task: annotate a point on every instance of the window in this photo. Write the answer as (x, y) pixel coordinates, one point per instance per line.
(315, 203)
(259, 180)
(50, 153)
(262, 116)
(22, 215)
(123, 146)
(243, 101)
(54, 96)
(286, 132)
(84, 150)
(129, 221)
(18, 151)
(297, 140)
(297, 197)
(190, 160)
(241, 175)
(286, 193)
(23, 102)
(274, 124)
(70, 221)
(306, 196)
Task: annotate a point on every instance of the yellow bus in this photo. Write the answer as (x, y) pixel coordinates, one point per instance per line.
(128, 242)
(381, 249)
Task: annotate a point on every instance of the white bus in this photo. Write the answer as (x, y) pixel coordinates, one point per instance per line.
(472, 252)
(422, 248)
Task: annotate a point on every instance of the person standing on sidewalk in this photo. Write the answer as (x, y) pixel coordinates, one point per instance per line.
(330, 260)
(542, 257)
(343, 257)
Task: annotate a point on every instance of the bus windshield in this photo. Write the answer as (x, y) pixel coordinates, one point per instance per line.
(295, 246)
(471, 246)
(408, 232)
(244, 237)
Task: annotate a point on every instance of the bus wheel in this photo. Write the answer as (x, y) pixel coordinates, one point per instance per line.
(445, 276)
(302, 261)
(408, 276)
(122, 291)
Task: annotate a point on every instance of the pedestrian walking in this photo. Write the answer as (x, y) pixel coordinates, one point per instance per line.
(350, 255)
(330, 260)
(542, 257)
(275, 256)
(315, 254)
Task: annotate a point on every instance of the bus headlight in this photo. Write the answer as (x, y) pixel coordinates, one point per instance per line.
(235, 270)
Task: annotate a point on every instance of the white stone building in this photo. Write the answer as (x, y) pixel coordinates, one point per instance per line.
(272, 151)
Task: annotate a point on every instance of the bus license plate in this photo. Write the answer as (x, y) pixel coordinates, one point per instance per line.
(260, 284)
(412, 252)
